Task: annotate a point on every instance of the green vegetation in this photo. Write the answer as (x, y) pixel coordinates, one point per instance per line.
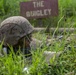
(13, 64)
(67, 10)
(9, 8)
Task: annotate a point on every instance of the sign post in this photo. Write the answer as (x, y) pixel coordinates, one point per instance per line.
(39, 9)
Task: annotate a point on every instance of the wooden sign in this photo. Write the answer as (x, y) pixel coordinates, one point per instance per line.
(39, 9)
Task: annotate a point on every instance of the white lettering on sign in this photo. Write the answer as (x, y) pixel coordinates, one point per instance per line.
(38, 4)
(44, 12)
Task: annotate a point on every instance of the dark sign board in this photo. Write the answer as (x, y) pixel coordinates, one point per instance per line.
(39, 9)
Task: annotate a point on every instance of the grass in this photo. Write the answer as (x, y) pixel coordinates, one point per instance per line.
(13, 64)
(65, 7)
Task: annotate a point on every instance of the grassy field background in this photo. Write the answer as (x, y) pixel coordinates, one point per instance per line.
(13, 64)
